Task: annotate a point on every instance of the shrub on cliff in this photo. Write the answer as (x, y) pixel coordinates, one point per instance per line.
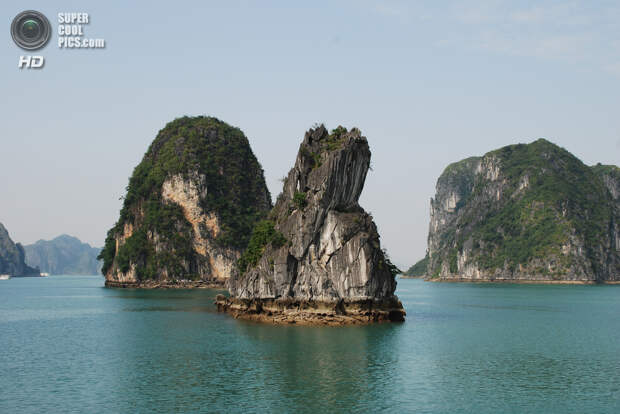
(264, 233)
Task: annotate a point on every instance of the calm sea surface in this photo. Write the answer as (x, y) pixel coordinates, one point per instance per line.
(68, 345)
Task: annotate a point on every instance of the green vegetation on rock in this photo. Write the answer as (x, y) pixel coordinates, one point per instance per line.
(264, 233)
(522, 205)
(418, 269)
(532, 224)
(299, 200)
(386, 263)
(606, 170)
(200, 149)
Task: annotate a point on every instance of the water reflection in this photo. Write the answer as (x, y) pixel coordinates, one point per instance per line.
(170, 351)
(317, 368)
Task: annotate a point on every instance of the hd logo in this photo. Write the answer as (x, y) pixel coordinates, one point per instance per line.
(31, 31)
(31, 62)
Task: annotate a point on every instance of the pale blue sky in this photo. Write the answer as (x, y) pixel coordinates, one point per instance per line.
(428, 83)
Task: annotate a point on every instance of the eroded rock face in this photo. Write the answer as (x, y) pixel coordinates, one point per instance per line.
(187, 193)
(330, 267)
(525, 213)
(189, 209)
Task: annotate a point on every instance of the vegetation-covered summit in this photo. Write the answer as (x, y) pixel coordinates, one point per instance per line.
(214, 160)
(527, 210)
(418, 269)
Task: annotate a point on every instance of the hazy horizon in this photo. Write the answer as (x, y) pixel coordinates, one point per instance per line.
(428, 85)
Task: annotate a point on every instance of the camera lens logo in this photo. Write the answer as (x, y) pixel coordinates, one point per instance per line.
(31, 30)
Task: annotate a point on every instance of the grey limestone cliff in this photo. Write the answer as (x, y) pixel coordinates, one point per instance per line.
(527, 213)
(321, 260)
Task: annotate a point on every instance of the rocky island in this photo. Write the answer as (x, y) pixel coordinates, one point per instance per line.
(417, 271)
(12, 257)
(189, 209)
(63, 255)
(525, 213)
(317, 259)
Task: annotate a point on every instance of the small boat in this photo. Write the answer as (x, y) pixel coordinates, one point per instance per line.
(44, 274)
(5, 277)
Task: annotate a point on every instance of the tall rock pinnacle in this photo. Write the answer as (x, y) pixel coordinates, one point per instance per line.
(318, 258)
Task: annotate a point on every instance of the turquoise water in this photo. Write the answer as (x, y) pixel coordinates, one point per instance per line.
(70, 345)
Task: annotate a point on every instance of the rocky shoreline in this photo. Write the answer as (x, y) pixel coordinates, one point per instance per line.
(178, 284)
(312, 312)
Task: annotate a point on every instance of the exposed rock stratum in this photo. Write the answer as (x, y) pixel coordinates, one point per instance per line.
(189, 210)
(526, 213)
(318, 258)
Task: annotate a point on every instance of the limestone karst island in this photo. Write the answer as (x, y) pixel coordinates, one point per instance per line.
(199, 194)
(525, 213)
(189, 211)
(371, 206)
(197, 213)
(318, 258)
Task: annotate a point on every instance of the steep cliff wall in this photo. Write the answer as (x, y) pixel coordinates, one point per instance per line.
(12, 257)
(525, 213)
(318, 257)
(189, 210)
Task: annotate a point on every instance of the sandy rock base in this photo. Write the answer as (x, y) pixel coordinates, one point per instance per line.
(178, 284)
(301, 312)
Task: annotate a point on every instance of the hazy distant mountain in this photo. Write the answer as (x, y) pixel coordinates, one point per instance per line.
(12, 257)
(64, 255)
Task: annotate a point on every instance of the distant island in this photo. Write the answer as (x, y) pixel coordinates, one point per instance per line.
(417, 271)
(525, 213)
(64, 255)
(12, 255)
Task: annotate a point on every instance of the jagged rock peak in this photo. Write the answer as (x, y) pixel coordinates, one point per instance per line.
(189, 210)
(318, 257)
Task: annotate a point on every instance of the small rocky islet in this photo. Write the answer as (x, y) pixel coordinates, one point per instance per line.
(318, 258)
